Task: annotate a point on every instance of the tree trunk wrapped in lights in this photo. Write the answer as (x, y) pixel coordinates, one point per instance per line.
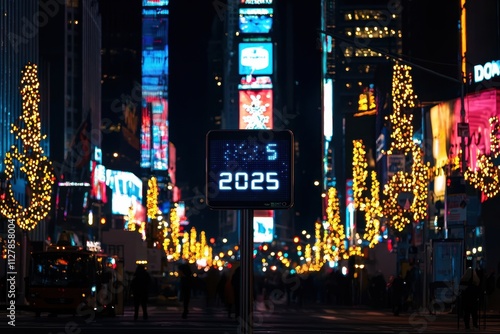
(36, 167)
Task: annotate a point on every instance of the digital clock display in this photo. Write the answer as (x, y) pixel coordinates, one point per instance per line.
(250, 169)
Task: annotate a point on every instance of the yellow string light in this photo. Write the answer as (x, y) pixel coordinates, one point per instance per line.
(35, 166)
(486, 176)
(412, 185)
(152, 198)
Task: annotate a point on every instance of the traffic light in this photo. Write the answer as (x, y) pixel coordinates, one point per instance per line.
(296, 240)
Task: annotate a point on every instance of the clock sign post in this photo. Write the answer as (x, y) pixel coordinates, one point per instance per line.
(247, 170)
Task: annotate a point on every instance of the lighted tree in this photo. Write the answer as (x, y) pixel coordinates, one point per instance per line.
(485, 177)
(152, 198)
(406, 192)
(359, 174)
(335, 228)
(373, 212)
(35, 166)
(171, 233)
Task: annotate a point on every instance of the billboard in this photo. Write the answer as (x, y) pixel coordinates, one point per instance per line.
(255, 82)
(98, 182)
(154, 134)
(126, 192)
(154, 127)
(263, 226)
(446, 143)
(256, 58)
(256, 109)
(255, 20)
(256, 2)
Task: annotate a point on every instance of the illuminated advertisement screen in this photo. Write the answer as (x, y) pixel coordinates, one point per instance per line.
(480, 106)
(256, 58)
(249, 169)
(154, 127)
(256, 2)
(256, 20)
(126, 191)
(445, 117)
(263, 226)
(256, 109)
(155, 3)
(154, 134)
(255, 82)
(98, 182)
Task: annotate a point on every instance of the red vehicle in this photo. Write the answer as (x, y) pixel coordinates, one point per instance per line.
(68, 279)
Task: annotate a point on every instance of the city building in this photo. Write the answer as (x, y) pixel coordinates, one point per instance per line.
(259, 91)
(19, 45)
(70, 63)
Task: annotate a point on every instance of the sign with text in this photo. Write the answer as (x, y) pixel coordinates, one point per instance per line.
(249, 169)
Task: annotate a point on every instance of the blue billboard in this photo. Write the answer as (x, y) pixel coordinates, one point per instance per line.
(154, 126)
(255, 20)
(256, 58)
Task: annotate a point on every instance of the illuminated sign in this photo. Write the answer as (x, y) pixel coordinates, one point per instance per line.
(256, 20)
(98, 182)
(154, 126)
(256, 2)
(249, 169)
(154, 3)
(256, 58)
(256, 109)
(255, 82)
(263, 226)
(487, 71)
(127, 192)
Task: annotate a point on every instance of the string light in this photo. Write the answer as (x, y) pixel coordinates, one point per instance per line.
(336, 235)
(35, 166)
(373, 212)
(152, 198)
(406, 192)
(486, 176)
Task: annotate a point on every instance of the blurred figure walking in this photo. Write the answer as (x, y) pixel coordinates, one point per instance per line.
(186, 285)
(140, 289)
(469, 287)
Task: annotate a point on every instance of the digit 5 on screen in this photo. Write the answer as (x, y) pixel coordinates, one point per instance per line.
(249, 169)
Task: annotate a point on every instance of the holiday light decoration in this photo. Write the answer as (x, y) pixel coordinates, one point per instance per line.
(36, 167)
(402, 99)
(406, 192)
(171, 234)
(359, 174)
(486, 176)
(152, 198)
(130, 224)
(336, 235)
(373, 212)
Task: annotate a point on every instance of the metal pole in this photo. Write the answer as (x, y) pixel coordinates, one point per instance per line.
(245, 323)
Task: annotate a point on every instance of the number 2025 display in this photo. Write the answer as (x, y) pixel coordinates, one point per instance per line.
(249, 169)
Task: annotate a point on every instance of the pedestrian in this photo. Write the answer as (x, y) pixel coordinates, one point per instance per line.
(186, 285)
(397, 287)
(236, 284)
(140, 289)
(469, 288)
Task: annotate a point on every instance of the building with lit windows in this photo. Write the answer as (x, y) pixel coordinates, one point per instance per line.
(259, 91)
(356, 39)
(70, 63)
(19, 45)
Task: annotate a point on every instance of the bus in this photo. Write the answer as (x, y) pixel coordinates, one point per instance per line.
(69, 279)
